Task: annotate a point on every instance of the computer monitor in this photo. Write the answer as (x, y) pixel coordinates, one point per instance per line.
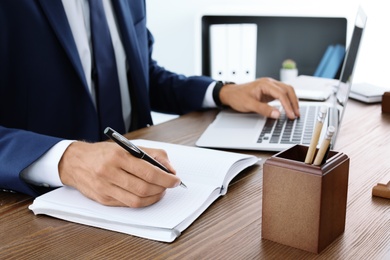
(303, 39)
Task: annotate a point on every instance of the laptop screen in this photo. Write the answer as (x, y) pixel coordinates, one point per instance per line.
(343, 89)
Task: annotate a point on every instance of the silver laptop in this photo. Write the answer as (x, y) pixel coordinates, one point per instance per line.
(249, 131)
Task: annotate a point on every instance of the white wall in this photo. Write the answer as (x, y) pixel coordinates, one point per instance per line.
(175, 25)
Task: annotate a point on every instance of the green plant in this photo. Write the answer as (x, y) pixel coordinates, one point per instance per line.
(289, 64)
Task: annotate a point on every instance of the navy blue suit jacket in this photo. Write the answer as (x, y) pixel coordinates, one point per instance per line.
(43, 92)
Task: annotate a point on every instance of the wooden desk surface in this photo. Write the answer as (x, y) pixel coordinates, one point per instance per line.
(231, 227)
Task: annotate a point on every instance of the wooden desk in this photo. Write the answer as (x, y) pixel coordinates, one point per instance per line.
(231, 227)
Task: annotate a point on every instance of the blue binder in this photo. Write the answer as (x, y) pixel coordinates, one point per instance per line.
(330, 62)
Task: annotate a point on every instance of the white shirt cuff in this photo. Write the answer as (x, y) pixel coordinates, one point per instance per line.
(44, 171)
(208, 100)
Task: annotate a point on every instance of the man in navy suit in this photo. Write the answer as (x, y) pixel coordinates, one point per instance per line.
(49, 125)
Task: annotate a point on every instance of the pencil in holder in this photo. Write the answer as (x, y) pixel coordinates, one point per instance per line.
(304, 206)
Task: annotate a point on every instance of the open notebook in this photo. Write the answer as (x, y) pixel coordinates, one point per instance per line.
(207, 174)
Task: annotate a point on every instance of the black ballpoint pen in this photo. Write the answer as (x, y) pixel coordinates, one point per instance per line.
(134, 150)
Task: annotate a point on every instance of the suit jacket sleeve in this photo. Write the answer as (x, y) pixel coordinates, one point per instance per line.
(173, 93)
(20, 149)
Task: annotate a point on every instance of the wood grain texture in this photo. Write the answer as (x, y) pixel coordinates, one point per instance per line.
(231, 227)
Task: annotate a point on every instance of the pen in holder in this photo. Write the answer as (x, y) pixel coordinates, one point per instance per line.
(304, 205)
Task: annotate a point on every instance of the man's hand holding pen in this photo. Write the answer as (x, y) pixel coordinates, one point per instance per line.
(108, 174)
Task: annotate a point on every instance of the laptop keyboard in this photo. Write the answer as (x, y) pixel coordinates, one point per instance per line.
(287, 131)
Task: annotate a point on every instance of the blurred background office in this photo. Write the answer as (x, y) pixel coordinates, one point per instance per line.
(176, 26)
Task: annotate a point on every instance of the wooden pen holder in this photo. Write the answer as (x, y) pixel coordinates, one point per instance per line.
(386, 102)
(304, 206)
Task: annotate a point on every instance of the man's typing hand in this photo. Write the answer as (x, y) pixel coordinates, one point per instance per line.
(254, 97)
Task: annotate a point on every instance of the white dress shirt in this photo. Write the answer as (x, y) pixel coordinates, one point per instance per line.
(44, 172)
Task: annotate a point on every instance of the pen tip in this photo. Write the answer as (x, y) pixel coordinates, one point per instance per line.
(183, 185)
